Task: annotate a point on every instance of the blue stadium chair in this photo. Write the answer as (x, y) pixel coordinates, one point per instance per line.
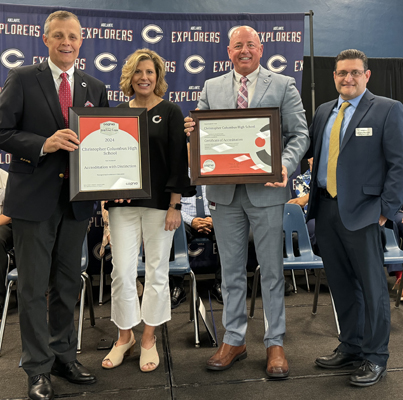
(12, 278)
(393, 255)
(294, 222)
(10, 262)
(102, 273)
(86, 286)
(203, 256)
(180, 266)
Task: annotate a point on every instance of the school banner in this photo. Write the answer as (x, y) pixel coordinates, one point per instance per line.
(194, 46)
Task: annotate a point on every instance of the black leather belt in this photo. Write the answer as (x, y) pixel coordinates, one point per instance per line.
(323, 192)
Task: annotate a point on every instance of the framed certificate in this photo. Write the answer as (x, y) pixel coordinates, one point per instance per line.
(112, 160)
(235, 146)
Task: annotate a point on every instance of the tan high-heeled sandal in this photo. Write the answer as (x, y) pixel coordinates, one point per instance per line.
(149, 356)
(118, 353)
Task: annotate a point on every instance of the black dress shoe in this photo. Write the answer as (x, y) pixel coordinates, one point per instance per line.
(40, 388)
(74, 372)
(338, 360)
(288, 288)
(216, 292)
(368, 374)
(178, 296)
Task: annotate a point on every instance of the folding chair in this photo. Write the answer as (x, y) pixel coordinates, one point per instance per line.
(393, 255)
(86, 286)
(12, 278)
(102, 274)
(294, 221)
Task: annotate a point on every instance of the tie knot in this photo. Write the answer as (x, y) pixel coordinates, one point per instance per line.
(244, 79)
(64, 76)
(344, 105)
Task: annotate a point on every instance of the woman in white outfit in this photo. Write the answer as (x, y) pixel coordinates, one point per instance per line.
(151, 220)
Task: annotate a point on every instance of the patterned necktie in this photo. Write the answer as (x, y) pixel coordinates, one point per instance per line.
(65, 97)
(242, 101)
(334, 148)
(199, 203)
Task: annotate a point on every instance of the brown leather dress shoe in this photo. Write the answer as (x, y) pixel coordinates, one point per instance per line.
(225, 357)
(277, 365)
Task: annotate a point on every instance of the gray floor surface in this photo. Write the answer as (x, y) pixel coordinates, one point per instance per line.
(182, 374)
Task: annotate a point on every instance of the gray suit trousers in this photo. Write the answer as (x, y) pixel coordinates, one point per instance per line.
(232, 223)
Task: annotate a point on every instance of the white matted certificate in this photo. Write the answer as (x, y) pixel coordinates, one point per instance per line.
(241, 146)
(112, 160)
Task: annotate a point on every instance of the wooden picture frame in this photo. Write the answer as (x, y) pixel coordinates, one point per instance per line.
(236, 146)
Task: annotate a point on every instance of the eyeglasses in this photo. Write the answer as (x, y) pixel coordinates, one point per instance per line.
(354, 74)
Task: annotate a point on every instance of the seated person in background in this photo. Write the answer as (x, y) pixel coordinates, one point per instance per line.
(302, 189)
(198, 223)
(6, 238)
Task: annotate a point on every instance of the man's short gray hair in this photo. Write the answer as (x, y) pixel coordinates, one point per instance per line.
(61, 15)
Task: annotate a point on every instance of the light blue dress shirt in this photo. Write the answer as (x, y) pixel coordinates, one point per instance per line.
(189, 207)
(324, 154)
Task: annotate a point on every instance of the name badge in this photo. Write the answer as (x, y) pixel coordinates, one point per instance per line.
(211, 205)
(363, 131)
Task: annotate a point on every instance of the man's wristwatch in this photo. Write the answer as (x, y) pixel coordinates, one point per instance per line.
(176, 206)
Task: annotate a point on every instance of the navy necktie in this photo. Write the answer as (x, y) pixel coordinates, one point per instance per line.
(199, 203)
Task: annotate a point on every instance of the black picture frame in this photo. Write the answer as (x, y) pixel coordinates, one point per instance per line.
(136, 120)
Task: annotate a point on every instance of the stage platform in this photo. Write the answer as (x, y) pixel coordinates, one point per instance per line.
(182, 374)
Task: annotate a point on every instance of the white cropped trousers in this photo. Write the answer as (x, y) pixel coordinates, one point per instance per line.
(129, 226)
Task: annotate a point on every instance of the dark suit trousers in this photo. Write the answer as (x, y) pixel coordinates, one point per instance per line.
(48, 257)
(353, 262)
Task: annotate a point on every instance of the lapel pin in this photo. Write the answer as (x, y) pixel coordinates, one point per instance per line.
(83, 84)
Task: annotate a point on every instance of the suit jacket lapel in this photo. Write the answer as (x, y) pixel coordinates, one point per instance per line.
(80, 89)
(262, 85)
(227, 89)
(325, 112)
(363, 106)
(47, 84)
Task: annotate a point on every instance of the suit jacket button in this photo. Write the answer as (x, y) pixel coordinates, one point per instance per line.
(61, 175)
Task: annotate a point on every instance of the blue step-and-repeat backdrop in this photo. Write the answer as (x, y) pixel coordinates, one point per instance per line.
(194, 47)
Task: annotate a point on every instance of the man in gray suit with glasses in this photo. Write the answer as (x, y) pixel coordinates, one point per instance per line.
(237, 208)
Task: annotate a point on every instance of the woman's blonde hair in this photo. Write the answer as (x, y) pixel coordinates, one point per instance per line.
(131, 65)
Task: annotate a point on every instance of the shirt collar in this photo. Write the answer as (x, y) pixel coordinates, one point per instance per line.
(354, 102)
(56, 71)
(251, 77)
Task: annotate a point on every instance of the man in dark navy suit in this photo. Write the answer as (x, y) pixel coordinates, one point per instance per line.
(48, 229)
(357, 145)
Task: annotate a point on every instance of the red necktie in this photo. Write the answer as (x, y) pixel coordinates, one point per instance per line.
(65, 97)
(242, 101)
(65, 103)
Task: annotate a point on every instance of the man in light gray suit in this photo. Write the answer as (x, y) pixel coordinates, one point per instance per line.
(236, 208)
